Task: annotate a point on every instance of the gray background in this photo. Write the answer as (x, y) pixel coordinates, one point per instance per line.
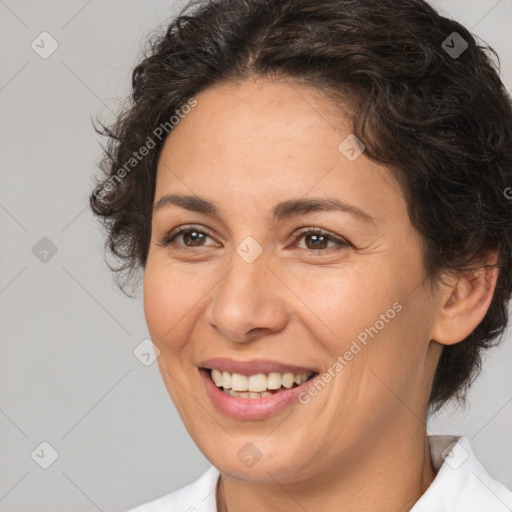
(67, 369)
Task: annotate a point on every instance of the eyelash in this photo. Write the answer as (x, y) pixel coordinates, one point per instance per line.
(168, 239)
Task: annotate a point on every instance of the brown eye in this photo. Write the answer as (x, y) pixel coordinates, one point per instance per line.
(192, 237)
(317, 240)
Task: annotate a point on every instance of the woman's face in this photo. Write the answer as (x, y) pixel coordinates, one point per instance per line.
(347, 303)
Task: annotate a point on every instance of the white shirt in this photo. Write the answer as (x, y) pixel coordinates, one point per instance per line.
(461, 485)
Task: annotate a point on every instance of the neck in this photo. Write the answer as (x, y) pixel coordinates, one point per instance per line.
(388, 477)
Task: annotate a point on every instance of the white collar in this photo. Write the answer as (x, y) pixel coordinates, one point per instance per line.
(462, 484)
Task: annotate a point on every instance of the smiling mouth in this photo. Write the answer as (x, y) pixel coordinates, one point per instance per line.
(260, 385)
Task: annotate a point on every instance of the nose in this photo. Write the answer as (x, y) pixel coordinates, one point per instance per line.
(248, 302)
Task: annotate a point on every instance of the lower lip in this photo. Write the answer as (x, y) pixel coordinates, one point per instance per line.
(251, 408)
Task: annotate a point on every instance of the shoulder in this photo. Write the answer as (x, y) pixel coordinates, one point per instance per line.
(199, 496)
(462, 484)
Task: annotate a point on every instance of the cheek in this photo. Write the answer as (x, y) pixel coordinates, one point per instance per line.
(168, 296)
(342, 302)
(174, 294)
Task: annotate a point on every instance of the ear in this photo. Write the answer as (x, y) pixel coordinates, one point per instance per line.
(464, 302)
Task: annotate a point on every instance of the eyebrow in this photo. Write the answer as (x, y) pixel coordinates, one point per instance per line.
(285, 209)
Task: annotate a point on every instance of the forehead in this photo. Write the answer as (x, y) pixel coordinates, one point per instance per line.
(258, 108)
(249, 143)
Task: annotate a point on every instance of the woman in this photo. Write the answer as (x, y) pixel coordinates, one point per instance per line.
(316, 193)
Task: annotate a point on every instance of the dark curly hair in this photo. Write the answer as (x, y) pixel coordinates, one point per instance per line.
(442, 121)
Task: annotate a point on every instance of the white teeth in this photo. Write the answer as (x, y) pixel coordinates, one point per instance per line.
(236, 394)
(226, 380)
(288, 380)
(274, 381)
(239, 382)
(257, 384)
(217, 377)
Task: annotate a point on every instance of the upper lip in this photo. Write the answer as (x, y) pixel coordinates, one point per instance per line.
(254, 366)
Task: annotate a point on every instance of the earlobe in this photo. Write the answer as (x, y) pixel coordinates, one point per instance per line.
(463, 304)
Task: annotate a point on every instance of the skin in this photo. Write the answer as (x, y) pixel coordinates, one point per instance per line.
(361, 443)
